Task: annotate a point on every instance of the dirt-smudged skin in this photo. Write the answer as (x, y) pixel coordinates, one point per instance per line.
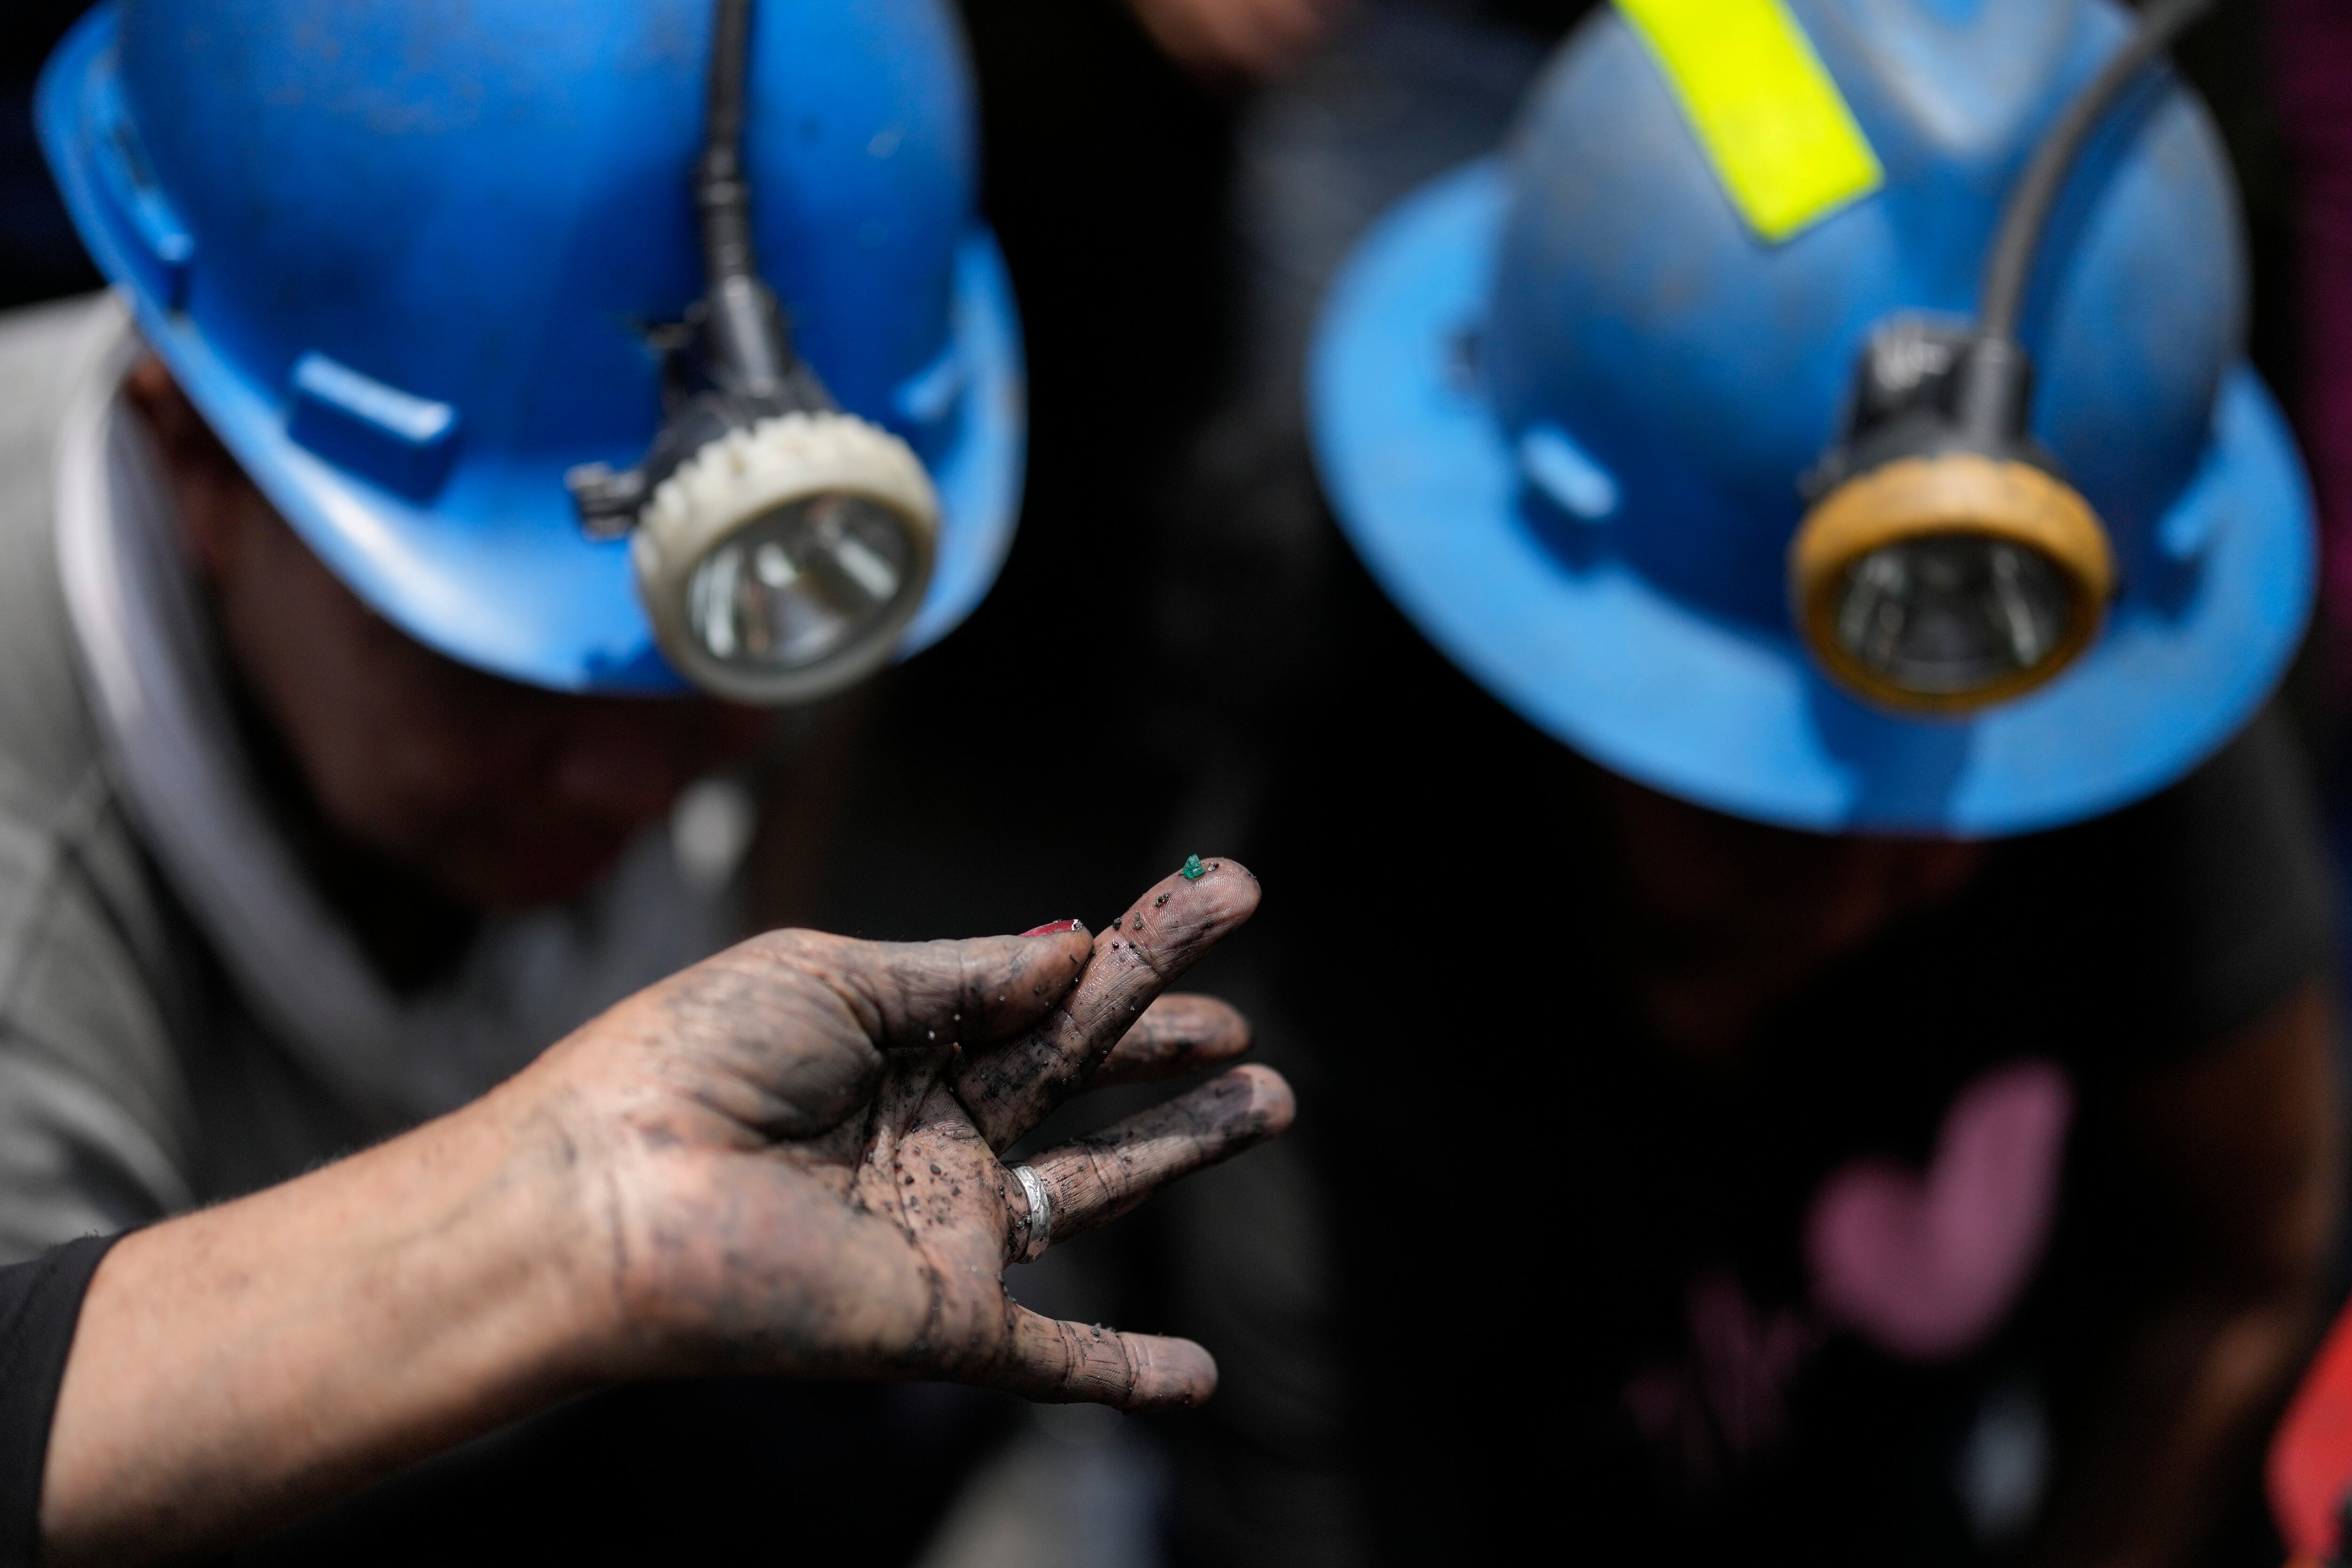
(1175, 1036)
(808, 1181)
(1011, 1090)
(1098, 1178)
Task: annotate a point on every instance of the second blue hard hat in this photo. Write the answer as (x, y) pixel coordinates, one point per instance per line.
(417, 263)
(1570, 403)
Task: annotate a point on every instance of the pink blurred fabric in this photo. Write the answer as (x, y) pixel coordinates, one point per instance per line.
(1926, 1264)
(2311, 76)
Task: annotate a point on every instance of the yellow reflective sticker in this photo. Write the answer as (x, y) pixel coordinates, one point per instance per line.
(1773, 123)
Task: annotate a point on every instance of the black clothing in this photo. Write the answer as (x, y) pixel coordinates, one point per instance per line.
(40, 1302)
(708, 1470)
(1668, 1314)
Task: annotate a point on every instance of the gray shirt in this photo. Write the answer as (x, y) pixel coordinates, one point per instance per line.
(182, 1017)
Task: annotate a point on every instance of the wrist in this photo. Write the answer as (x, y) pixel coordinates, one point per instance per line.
(536, 1226)
(235, 1367)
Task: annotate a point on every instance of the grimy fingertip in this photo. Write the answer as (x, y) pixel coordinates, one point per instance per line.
(1171, 1374)
(1182, 915)
(1177, 1034)
(1057, 1362)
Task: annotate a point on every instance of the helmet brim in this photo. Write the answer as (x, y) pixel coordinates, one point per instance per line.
(495, 572)
(1423, 480)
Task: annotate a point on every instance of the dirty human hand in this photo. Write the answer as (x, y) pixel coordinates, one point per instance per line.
(1228, 38)
(783, 1161)
(805, 1177)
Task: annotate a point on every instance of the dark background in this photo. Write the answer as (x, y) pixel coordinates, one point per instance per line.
(39, 257)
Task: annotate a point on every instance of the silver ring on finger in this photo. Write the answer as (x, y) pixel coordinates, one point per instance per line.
(1034, 1229)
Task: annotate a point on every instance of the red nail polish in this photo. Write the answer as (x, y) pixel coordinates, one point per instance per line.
(1056, 928)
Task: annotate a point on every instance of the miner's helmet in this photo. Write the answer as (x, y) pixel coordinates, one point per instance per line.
(628, 349)
(1834, 414)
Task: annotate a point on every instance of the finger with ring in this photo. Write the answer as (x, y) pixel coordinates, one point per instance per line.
(1098, 1178)
(1033, 1230)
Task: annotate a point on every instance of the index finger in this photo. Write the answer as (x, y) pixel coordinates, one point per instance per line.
(1010, 1088)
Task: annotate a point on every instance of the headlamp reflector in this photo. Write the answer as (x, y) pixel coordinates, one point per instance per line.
(1949, 583)
(794, 586)
(1948, 615)
(780, 564)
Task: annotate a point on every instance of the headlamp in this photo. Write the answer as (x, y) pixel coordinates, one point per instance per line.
(1946, 565)
(780, 545)
(1944, 572)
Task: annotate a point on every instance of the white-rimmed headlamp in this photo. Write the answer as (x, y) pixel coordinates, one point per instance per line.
(781, 546)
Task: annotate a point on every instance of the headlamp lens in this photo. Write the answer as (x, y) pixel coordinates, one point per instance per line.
(797, 585)
(1948, 615)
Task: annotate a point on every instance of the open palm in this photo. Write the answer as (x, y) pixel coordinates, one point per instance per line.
(803, 1177)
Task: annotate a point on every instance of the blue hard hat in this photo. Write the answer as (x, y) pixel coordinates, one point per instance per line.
(415, 263)
(1564, 401)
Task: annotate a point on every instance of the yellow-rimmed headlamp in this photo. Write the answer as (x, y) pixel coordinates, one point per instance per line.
(1952, 582)
(1947, 565)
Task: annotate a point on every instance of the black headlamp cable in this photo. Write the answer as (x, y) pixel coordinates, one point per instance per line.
(734, 364)
(781, 546)
(1991, 400)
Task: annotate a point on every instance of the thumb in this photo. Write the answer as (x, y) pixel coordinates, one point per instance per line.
(974, 992)
(786, 1031)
